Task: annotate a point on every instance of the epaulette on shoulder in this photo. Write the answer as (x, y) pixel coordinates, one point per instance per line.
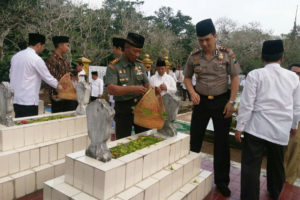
(113, 62)
(195, 52)
(116, 60)
(139, 61)
(224, 49)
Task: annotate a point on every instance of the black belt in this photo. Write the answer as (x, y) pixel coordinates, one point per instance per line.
(134, 100)
(210, 97)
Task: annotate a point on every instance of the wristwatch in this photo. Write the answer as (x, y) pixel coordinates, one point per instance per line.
(232, 102)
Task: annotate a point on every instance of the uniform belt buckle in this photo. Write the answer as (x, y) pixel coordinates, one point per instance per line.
(210, 97)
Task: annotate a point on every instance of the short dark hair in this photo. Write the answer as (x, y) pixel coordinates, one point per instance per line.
(35, 38)
(174, 69)
(272, 58)
(55, 45)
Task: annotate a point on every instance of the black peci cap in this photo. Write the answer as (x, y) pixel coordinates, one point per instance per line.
(160, 63)
(294, 65)
(95, 73)
(135, 40)
(60, 39)
(35, 38)
(272, 47)
(205, 27)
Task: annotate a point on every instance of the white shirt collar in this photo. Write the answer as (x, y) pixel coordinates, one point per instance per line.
(271, 65)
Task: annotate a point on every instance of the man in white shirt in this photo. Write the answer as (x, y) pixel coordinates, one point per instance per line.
(164, 82)
(27, 71)
(243, 81)
(97, 87)
(172, 73)
(269, 111)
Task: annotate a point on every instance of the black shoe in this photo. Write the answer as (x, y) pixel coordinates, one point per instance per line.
(224, 190)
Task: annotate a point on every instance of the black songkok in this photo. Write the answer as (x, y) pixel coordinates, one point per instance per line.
(35, 38)
(60, 39)
(272, 47)
(205, 27)
(135, 40)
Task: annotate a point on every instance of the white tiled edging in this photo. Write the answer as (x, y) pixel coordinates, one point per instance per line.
(25, 158)
(104, 180)
(156, 187)
(29, 134)
(28, 181)
(43, 162)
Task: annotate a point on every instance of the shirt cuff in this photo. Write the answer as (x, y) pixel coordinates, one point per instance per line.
(240, 126)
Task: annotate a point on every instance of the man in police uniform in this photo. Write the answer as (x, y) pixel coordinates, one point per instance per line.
(211, 97)
(127, 82)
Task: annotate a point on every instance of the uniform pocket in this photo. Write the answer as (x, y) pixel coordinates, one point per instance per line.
(199, 71)
(139, 75)
(220, 66)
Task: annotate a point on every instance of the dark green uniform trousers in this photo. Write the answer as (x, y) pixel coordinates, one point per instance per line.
(124, 119)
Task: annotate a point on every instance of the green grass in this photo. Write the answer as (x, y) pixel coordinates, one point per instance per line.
(43, 119)
(134, 145)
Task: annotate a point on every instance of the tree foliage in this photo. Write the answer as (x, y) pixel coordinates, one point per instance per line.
(91, 31)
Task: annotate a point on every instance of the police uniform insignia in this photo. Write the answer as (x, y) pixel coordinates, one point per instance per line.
(196, 60)
(120, 71)
(234, 59)
(220, 56)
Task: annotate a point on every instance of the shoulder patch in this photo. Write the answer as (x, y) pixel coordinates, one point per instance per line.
(224, 49)
(195, 52)
(139, 61)
(116, 60)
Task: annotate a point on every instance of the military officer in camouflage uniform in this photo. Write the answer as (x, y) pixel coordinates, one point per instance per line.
(126, 80)
(212, 64)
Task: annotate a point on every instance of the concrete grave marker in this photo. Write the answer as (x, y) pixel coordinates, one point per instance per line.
(99, 119)
(171, 103)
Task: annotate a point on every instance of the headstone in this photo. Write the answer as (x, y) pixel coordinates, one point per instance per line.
(83, 92)
(6, 104)
(171, 103)
(99, 119)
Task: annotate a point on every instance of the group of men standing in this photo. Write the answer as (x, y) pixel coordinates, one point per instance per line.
(269, 109)
(28, 69)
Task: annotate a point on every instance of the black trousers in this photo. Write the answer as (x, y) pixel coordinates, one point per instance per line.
(252, 154)
(200, 117)
(184, 93)
(25, 111)
(124, 119)
(93, 98)
(63, 105)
